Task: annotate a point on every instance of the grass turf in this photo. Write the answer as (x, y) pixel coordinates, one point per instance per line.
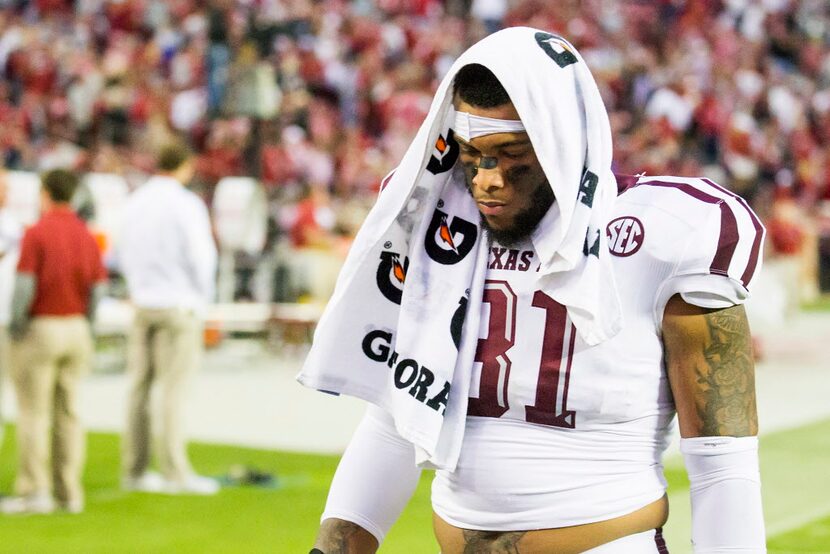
(238, 519)
(283, 519)
(813, 538)
(820, 304)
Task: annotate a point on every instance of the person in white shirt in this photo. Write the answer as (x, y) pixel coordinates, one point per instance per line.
(10, 234)
(167, 255)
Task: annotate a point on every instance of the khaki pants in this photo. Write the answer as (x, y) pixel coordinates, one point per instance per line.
(164, 346)
(47, 366)
(5, 362)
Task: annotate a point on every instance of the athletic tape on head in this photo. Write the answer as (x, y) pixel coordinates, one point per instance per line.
(469, 126)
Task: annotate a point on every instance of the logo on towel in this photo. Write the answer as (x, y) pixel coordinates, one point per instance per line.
(457, 322)
(625, 236)
(591, 246)
(407, 372)
(588, 187)
(391, 275)
(449, 242)
(556, 48)
(444, 155)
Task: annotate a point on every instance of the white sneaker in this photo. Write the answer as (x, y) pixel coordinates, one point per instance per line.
(193, 484)
(73, 507)
(33, 504)
(149, 481)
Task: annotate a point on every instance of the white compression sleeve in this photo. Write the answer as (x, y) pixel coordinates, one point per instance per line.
(726, 494)
(376, 476)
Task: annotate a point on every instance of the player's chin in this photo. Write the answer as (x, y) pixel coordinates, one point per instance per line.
(502, 230)
(498, 223)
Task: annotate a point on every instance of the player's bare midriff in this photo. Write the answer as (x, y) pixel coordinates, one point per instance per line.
(562, 540)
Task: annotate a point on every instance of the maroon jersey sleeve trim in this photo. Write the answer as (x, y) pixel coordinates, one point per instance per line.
(728, 236)
(755, 253)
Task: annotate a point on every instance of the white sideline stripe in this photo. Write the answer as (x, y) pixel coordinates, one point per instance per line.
(798, 520)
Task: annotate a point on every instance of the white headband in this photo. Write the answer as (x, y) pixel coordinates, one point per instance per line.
(469, 126)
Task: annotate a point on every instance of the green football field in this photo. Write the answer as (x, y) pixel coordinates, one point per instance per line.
(282, 518)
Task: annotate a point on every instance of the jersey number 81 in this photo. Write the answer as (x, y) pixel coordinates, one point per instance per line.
(550, 407)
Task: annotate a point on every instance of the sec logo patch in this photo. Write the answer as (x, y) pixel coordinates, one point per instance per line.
(625, 236)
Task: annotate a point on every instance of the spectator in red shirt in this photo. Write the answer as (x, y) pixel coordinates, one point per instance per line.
(60, 278)
(314, 220)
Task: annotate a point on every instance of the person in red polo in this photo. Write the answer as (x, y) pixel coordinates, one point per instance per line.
(60, 278)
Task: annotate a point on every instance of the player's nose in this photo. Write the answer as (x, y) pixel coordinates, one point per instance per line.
(488, 179)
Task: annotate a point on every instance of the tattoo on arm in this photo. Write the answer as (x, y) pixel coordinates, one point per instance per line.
(727, 378)
(489, 542)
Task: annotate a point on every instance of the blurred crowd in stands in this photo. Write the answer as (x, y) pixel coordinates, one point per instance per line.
(318, 99)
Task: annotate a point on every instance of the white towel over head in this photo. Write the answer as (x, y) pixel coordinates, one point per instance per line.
(402, 326)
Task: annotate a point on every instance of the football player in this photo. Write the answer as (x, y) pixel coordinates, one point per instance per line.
(563, 439)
